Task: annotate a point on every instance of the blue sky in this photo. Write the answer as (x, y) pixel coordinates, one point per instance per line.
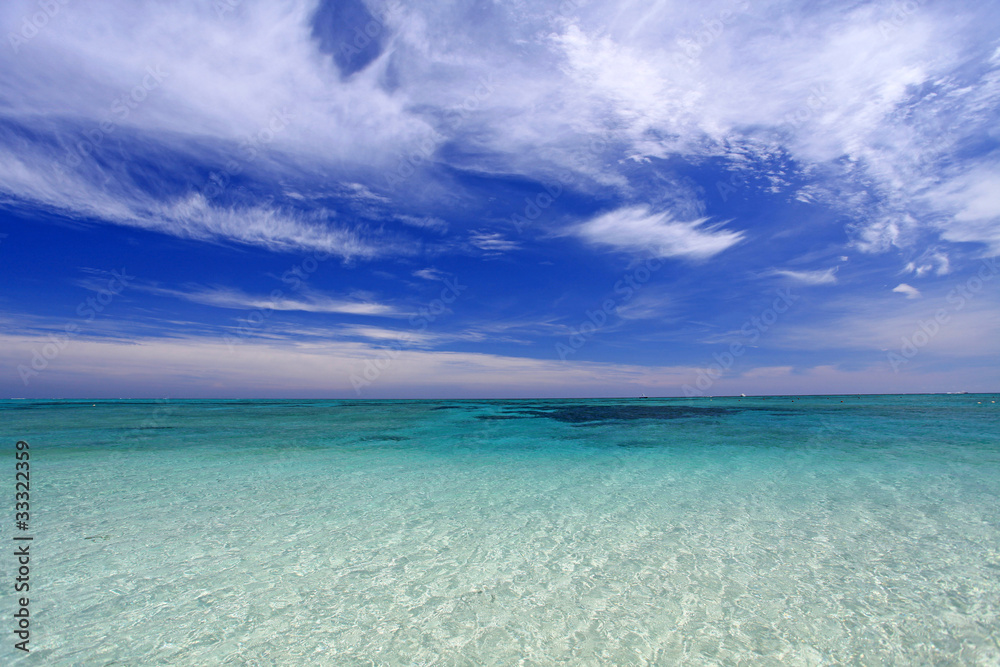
(475, 199)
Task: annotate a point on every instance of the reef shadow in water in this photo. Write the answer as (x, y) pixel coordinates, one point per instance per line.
(599, 414)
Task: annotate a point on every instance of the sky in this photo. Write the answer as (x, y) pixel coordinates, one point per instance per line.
(367, 199)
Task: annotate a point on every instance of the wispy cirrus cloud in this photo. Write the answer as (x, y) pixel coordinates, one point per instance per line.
(492, 243)
(591, 92)
(817, 277)
(973, 199)
(30, 178)
(429, 273)
(637, 229)
(71, 145)
(307, 301)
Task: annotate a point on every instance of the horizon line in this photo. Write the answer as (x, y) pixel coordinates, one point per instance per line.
(496, 398)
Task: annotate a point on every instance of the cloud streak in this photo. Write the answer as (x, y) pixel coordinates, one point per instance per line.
(309, 302)
(817, 277)
(637, 229)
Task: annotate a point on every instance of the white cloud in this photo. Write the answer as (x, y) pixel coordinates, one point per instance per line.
(817, 277)
(931, 261)
(910, 291)
(429, 274)
(493, 243)
(270, 228)
(309, 301)
(405, 337)
(225, 74)
(652, 303)
(637, 229)
(973, 201)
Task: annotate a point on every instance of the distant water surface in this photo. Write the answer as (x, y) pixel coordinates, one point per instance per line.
(778, 531)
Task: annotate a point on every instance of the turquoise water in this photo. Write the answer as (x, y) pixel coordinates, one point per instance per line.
(778, 531)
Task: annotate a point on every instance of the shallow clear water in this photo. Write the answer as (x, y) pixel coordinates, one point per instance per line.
(784, 531)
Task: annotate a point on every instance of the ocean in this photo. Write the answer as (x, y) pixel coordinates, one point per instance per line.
(786, 530)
